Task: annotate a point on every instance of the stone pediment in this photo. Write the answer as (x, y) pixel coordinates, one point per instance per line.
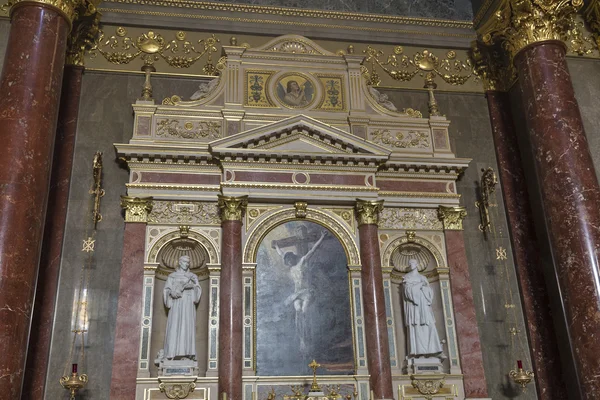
(295, 44)
(299, 138)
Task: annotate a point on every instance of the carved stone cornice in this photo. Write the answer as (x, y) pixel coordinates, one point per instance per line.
(452, 217)
(70, 9)
(83, 37)
(136, 208)
(232, 208)
(520, 23)
(367, 212)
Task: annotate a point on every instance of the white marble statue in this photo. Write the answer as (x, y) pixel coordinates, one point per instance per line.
(423, 339)
(382, 99)
(181, 294)
(204, 89)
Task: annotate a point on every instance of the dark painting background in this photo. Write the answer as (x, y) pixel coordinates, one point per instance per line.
(327, 318)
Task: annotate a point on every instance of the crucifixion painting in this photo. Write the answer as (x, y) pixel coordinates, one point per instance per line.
(302, 301)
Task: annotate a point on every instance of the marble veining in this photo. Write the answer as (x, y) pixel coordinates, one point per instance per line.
(443, 9)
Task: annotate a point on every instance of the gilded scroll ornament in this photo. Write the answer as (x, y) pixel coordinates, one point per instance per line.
(401, 140)
(519, 23)
(427, 387)
(136, 208)
(177, 391)
(300, 207)
(410, 218)
(402, 67)
(151, 46)
(232, 208)
(452, 217)
(184, 212)
(367, 212)
(172, 128)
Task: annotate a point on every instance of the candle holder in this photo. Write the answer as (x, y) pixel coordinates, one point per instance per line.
(520, 376)
(73, 382)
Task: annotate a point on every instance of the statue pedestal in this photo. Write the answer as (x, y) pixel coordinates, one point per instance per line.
(423, 365)
(178, 368)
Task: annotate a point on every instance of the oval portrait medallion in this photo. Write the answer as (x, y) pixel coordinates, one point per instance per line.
(295, 90)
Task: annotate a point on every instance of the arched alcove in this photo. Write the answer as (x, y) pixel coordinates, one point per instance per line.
(167, 257)
(303, 304)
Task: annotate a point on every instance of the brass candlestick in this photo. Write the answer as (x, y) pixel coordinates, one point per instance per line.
(520, 376)
(74, 382)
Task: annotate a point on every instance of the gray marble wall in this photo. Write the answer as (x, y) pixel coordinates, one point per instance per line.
(4, 28)
(105, 117)
(585, 73)
(492, 280)
(445, 9)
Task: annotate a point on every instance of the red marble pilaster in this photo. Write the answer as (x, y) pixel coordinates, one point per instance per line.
(30, 92)
(570, 195)
(471, 360)
(378, 351)
(230, 311)
(129, 311)
(38, 352)
(536, 303)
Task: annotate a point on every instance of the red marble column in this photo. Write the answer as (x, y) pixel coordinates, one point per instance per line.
(230, 298)
(378, 351)
(129, 310)
(30, 92)
(536, 303)
(471, 360)
(570, 195)
(38, 352)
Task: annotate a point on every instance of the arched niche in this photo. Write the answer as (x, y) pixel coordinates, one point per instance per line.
(207, 243)
(429, 260)
(169, 249)
(269, 221)
(302, 300)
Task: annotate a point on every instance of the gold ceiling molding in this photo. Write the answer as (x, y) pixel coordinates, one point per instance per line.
(482, 11)
(70, 9)
(298, 12)
(516, 24)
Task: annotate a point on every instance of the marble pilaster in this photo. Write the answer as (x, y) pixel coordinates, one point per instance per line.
(230, 298)
(376, 333)
(30, 86)
(536, 303)
(570, 195)
(129, 308)
(471, 359)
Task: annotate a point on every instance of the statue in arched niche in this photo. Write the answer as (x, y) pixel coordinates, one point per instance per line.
(423, 339)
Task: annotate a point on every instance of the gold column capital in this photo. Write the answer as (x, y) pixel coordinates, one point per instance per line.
(84, 36)
(367, 212)
(452, 217)
(592, 16)
(497, 73)
(232, 208)
(70, 9)
(136, 208)
(519, 23)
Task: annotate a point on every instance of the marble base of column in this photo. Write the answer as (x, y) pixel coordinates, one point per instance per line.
(230, 312)
(536, 303)
(570, 195)
(471, 359)
(129, 311)
(38, 352)
(378, 351)
(30, 87)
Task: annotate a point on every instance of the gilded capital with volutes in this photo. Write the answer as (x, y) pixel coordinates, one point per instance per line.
(452, 217)
(367, 212)
(70, 9)
(136, 208)
(519, 23)
(232, 208)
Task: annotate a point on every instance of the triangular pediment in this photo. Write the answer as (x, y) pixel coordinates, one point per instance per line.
(299, 137)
